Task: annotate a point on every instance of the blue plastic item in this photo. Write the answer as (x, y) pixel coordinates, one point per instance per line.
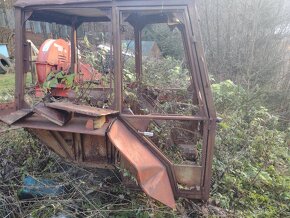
(40, 188)
(4, 50)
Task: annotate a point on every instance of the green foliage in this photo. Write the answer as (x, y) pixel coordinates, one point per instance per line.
(55, 78)
(227, 95)
(98, 58)
(165, 72)
(157, 76)
(251, 158)
(158, 72)
(129, 70)
(169, 41)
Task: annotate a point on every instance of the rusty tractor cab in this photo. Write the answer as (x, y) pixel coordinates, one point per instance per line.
(113, 92)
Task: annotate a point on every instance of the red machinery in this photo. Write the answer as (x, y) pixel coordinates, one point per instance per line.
(55, 56)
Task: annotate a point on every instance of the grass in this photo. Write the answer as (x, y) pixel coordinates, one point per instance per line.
(7, 86)
(7, 81)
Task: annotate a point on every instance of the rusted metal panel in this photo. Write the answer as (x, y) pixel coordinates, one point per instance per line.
(191, 194)
(187, 175)
(209, 159)
(138, 52)
(151, 173)
(73, 47)
(81, 109)
(160, 155)
(75, 125)
(49, 140)
(139, 124)
(19, 58)
(117, 58)
(96, 123)
(82, 149)
(68, 137)
(58, 117)
(78, 147)
(200, 57)
(65, 147)
(162, 117)
(94, 148)
(7, 108)
(15, 116)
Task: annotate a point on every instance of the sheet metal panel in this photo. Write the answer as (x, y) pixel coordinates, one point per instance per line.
(152, 174)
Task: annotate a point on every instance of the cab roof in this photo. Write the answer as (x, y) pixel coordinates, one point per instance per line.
(28, 3)
(52, 10)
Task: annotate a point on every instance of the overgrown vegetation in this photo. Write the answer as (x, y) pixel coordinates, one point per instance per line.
(251, 161)
(89, 192)
(250, 178)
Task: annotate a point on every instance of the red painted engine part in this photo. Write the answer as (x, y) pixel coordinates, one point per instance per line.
(55, 55)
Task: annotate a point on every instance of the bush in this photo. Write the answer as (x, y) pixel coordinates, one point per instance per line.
(250, 161)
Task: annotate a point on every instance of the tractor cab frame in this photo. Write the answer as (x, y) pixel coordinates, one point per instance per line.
(120, 134)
